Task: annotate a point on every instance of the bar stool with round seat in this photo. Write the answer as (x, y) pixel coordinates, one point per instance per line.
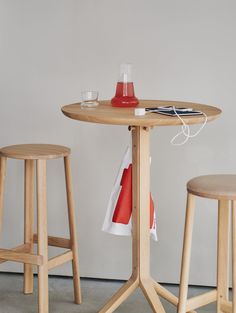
(223, 189)
(39, 154)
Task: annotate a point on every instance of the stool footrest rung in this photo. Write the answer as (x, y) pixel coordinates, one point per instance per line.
(60, 259)
(56, 242)
(22, 257)
(22, 248)
(226, 306)
(201, 300)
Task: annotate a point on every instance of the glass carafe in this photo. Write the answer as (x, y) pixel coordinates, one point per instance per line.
(125, 96)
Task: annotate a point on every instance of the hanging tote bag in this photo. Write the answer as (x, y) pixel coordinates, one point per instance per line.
(118, 219)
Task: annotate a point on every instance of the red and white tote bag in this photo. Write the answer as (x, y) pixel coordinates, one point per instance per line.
(118, 219)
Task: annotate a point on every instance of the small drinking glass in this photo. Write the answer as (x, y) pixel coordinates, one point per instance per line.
(89, 98)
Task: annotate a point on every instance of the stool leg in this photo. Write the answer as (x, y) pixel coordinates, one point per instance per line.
(223, 252)
(3, 162)
(183, 294)
(73, 233)
(42, 236)
(234, 254)
(29, 223)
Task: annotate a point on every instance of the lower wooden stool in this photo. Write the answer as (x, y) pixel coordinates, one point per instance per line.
(40, 153)
(223, 189)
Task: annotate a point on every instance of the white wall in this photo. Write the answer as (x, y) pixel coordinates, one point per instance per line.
(50, 50)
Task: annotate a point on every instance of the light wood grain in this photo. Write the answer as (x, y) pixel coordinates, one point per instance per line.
(166, 294)
(120, 296)
(234, 256)
(56, 242)
(3, 162)
(60, 259)
(201, 300)
(24, 253)
(141, 200)
(223, 252)
(20, 257)
(221, 187)
(135, 210)
(141, 194)
(185, 266)
(226, 306)
(29, 222)
(73, 232)
(34, 151)
(151, 295)
(106, 114)
(42, 236)
(140, 227)
(25, 248)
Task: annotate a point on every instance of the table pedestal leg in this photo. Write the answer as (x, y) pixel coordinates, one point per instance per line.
(122, 294)
(140, 227)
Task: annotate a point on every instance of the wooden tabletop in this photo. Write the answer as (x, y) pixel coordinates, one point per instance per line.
(104, 113)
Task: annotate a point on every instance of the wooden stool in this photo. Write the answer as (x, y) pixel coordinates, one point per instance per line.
(24, 253)
(223, 189)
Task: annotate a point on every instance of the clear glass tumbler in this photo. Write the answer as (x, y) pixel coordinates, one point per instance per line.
(89, 98)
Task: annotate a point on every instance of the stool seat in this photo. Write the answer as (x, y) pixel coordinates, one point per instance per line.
(34, 151)
(221, 187)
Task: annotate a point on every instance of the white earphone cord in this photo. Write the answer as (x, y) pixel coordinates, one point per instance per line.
(185, 130)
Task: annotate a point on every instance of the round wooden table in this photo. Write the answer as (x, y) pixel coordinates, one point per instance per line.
(140, 127)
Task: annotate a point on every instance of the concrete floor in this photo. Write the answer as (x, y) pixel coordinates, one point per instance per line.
(95, 294)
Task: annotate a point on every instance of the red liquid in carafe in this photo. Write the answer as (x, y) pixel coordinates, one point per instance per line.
(125, 96)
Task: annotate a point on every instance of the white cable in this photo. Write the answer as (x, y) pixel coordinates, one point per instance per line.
(185, 130)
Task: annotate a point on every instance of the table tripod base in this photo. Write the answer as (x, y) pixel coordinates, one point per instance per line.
(147, 287)
(150, 288)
